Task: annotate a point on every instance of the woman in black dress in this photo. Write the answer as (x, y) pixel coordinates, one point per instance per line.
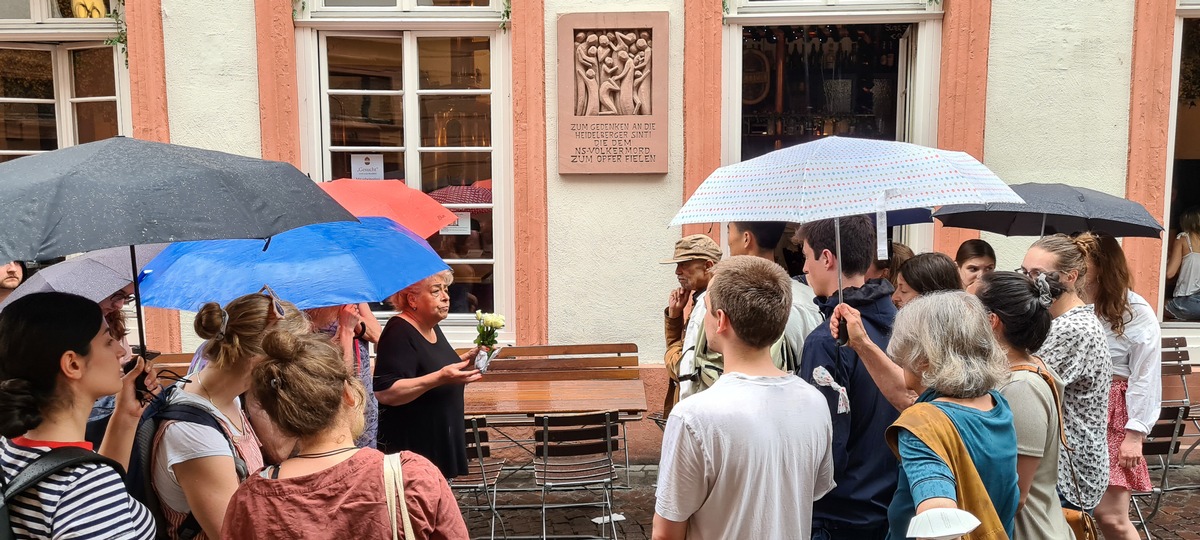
(419, 379)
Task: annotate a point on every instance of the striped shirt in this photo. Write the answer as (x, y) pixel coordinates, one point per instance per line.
(81, 502)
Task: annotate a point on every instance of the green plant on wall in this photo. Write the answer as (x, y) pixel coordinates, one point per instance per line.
(298, 7)
(117, 14)
(506, 15)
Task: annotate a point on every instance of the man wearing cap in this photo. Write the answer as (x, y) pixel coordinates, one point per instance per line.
(694, 258)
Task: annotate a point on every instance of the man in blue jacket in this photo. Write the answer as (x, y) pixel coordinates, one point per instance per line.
(864, 469)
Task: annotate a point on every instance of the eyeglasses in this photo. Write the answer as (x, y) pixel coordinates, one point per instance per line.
(120, 297)
(275, 305)
(1034, 273)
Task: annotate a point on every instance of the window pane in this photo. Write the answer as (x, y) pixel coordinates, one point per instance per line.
(364, 63)
(455, 62)
(28, 126)
(452, 3)
(76, 9)
(341, 163)
(94, 72)
(456, 169)
(26, 74)
(472, 289)
(95, 120)
(476, 245)
(14, 9)
(366, 120)
(360, 3)
(456, 121)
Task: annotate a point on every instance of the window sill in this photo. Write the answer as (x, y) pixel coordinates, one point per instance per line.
(58, 30)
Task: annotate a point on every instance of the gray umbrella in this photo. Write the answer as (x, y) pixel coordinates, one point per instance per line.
(95, 275)
(1054, 208)
(122, 191)
(126, 192)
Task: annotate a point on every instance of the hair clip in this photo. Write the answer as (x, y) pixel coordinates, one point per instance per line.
(224, 324)
(1043, 287)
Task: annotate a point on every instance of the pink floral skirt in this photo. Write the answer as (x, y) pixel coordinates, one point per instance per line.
(1137, 478)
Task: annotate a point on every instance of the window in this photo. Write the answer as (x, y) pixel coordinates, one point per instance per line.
(421, 103)
(60, 85)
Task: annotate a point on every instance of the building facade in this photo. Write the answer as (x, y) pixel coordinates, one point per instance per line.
(466, 94)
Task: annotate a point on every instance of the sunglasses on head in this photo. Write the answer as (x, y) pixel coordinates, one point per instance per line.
(276, 306)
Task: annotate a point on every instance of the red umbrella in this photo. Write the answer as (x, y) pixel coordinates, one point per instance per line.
(464, 195)
(391, 199)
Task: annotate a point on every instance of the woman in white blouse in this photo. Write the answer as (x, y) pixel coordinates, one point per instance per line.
(1134, 342)
(1076, 349)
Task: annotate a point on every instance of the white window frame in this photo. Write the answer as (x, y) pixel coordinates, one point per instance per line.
(402, 8)
(64, 88)
(819, 6)
(922, 89)
(44, 26)
(316, 139)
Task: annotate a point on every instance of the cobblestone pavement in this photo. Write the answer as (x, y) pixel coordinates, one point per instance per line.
(1179, 518)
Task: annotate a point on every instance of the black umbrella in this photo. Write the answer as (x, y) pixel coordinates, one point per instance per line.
(1054, 208)
(126, 192)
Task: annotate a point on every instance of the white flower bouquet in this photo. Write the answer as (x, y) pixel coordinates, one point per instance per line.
(489, 328)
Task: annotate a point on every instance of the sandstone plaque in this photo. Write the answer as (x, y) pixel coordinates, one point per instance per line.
(612, 93)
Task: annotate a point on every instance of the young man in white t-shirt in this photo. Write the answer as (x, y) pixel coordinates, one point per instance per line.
(747, 457)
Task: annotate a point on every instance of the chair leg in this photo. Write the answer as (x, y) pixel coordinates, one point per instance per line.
(1137, 509)
(608, 508)
(543, 511)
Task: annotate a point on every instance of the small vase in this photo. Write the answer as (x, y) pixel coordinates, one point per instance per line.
(481, 360)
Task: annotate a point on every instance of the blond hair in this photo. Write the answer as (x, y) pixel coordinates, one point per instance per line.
(399, 300)
(1071, 254)
(947, 339)
(756, 295)
(301, 381)
(235, 332)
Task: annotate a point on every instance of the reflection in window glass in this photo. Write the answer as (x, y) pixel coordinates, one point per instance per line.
(342, 164)
(28, 126)
(455, 62)
(93, 72)
(456, 121)
(81, 9)
(473, 288)
(360, 3)
(14, 9)
(371, 120)
(95, 120)
(476, 245)
(365, 63)
(27, 74)
(440, 170)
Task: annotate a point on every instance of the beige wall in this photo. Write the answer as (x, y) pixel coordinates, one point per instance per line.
(1058, 98)
(607, 233)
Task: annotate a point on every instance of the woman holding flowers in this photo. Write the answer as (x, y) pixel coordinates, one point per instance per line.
(419, 379)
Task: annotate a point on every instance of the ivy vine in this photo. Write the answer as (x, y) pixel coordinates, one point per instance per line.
(506, 15)
(121, 39)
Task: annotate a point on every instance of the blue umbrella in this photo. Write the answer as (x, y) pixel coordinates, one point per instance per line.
(319, 265)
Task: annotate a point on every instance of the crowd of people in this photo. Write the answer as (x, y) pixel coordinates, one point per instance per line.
(1011, 395)
(278, 430)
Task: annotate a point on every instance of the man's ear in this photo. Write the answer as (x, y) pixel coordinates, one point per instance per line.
(826, 258)
(722, 320)
(71, 365)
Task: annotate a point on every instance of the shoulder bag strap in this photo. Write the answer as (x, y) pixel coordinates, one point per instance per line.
(52, 462)
(393, 483)
(1062, 433)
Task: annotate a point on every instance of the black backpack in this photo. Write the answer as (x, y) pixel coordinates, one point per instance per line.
(49, 463)
(138, 481)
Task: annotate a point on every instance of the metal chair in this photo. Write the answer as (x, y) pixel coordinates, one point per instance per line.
(484, 472)
(1162, 443)
(575, 452)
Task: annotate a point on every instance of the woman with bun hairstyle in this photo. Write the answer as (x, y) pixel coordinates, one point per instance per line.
(923, 274)
(57, 357)
(1134, 345)
(1019, 311)
(1077, 350)
(330, 487)
(196, 469)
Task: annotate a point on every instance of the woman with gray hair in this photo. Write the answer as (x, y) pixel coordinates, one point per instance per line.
(419, 379)
(956, 444)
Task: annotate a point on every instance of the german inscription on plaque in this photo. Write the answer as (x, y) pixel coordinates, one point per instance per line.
(612, 93)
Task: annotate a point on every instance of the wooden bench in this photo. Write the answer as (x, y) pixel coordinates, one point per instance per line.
(617, 361)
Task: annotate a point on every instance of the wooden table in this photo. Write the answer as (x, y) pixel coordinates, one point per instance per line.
(553, 397)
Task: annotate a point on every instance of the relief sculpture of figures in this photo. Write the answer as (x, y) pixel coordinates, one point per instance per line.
(613, 72)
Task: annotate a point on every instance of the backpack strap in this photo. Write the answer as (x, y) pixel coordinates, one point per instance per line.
(52, 462)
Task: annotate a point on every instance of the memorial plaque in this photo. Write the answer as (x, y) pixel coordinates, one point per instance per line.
(612, 93)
